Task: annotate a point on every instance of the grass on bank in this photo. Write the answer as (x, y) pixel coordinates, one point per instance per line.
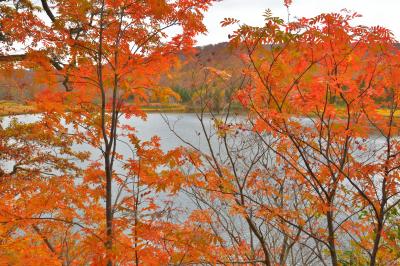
(15, 108)
(386, 112)
(381, 111)
(156, 107)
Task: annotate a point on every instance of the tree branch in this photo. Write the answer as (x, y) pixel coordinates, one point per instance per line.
(48, 10)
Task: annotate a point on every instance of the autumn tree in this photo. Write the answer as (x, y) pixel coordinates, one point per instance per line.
(322, 89)
(103, 53)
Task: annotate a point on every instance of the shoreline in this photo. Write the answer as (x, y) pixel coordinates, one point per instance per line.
(9, 108)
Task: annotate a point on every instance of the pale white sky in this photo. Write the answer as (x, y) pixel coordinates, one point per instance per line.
(384, 13)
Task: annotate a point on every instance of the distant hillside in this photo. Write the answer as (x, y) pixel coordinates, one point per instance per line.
(19, 85)
(219, 56)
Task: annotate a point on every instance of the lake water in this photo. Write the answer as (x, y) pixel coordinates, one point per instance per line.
(186, 125)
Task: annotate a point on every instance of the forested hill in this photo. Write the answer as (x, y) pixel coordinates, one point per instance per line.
(188, 73)
(184, 78)
(19, 85)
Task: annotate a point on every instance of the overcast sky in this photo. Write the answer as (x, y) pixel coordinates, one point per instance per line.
(384, 13)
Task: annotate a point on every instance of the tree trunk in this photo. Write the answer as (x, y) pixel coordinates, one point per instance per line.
(109, 214)
(376, 242)
(331, 238)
